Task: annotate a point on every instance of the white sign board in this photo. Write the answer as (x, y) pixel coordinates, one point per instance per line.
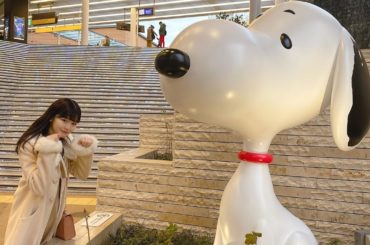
(97, 219)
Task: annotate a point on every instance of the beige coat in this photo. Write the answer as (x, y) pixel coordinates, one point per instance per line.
(43, 171)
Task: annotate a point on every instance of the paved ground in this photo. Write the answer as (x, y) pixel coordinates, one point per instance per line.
(75, 205)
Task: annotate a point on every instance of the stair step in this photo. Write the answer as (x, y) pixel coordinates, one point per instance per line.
(113, 86)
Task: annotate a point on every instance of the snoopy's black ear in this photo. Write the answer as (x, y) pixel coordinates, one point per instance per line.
(350, 99)
(359, 116)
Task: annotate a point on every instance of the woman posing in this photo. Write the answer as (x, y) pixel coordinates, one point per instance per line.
(48, 153)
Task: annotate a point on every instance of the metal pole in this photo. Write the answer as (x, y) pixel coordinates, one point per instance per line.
(85, 23)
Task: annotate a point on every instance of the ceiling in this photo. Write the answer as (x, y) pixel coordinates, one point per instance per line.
(105, 13)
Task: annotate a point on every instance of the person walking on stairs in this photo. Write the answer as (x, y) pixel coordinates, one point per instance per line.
(150, 36)
(162, 34)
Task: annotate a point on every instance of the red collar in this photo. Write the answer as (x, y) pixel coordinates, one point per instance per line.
(255, 157)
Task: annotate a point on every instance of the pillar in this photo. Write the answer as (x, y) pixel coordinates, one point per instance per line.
(85, 23)
(254, 9)
(277, 2)
(134, 26)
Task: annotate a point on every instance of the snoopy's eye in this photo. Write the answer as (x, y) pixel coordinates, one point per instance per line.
(285, 41)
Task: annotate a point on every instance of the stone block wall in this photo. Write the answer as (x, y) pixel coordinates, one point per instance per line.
(156, 132)
(157, 192)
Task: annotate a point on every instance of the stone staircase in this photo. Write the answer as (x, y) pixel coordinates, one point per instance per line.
(113, 85)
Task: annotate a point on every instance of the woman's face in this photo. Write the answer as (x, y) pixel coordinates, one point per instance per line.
(62, 126)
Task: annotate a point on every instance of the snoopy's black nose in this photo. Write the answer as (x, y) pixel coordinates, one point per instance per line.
(172, 63)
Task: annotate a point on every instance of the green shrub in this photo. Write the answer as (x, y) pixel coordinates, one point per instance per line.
(136, 234)
(334, 241)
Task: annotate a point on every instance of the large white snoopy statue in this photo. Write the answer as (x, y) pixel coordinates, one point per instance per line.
(281, 71)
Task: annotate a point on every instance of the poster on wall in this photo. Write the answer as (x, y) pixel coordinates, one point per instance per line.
(19, 28)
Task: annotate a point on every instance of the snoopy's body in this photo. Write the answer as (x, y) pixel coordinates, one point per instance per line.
(290, 64)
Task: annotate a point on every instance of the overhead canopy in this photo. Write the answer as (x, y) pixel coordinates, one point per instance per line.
(109, 12)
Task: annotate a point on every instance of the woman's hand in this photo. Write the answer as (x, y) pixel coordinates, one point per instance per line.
(85, 141)
(54, 137)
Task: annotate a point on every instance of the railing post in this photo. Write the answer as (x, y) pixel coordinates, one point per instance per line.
(277, 2)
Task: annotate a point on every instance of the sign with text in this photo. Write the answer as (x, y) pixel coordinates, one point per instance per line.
(97, 219)
(146, 11)
(44, 18)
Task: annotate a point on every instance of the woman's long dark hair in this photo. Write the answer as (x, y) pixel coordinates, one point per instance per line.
(65, 107)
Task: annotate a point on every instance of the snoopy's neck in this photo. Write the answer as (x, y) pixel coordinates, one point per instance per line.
(257, 146)
(255, 177)
(255, 157)
(255, 153)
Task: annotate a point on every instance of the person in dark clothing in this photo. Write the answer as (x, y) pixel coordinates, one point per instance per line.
(162, 34)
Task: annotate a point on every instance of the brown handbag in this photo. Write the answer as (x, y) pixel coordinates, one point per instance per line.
(66, 227)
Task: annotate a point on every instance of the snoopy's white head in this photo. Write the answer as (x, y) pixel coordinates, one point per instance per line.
(281, 71)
